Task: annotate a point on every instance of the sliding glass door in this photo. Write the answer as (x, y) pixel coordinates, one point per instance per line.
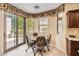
(10, 30)
(14, 31)
(20, 29)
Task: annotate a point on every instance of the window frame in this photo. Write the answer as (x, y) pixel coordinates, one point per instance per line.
(42, 19)
(59, 19)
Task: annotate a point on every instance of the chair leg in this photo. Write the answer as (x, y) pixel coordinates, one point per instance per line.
(27, 49)
(44, 50)
(48, 48)
(33, 52)
(41, 52)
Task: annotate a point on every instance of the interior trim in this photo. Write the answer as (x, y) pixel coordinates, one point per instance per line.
(13, 9)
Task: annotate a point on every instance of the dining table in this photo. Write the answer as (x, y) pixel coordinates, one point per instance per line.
(33, 38)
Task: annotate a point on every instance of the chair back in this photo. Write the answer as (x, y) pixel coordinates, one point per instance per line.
(49, 37)
(35, 34)
(27, 39)
(40, 42)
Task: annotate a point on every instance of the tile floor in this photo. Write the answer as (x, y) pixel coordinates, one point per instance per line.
(20, 51)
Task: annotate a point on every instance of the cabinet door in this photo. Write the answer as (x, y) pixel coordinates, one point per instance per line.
(67, 46)
(72, 22)
(77, 20)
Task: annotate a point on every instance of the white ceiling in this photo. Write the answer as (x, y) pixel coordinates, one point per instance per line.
(29, 7)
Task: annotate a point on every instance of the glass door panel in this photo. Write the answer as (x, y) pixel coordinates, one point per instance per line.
(10, 31)
(14, 30)
(20, 29)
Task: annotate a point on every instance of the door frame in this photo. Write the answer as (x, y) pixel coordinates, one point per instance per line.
(4, 33)
(24, 30)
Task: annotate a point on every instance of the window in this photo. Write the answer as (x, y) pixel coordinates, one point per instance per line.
(59, 23)
(43, 24)
(30, 24)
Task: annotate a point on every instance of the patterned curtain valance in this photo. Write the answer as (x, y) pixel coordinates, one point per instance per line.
(51, 12)
(13, 9)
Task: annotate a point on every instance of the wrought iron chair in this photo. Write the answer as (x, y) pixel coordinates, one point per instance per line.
(35, 34)
(30, 43)
(48, 42)
(40, 44)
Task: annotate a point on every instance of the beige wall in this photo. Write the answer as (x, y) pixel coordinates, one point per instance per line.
(73, 31)
(36, 24)
(52, 28)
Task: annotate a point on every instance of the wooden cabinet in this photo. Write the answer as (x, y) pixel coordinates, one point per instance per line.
(73, 19)
(72, 47)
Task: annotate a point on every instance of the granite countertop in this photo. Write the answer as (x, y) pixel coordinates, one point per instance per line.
(74, 39)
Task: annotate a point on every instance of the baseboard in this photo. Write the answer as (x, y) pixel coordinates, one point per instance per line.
(60, 49)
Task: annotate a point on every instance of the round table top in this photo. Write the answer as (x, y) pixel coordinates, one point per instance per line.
(33, 38)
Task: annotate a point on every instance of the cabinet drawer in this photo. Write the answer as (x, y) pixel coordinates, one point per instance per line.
(74, 42)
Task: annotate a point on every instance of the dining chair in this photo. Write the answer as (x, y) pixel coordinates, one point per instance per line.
(40, 44)
(30, 43)
(35, 34)
(48, 42)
